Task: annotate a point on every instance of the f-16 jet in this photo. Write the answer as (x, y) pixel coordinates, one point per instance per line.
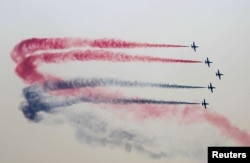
(208, 62)
(210, 86)
(219, 74)
(193, 46)
(204, 103)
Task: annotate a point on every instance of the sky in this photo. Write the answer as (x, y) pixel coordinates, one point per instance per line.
(219, 28)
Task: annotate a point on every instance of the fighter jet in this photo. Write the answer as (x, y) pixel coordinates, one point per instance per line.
(210, 86)
(193, 46)
(204, 103)
(208, 62)
(219, 74)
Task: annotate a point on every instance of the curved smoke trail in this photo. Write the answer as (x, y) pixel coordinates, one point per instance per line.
(27, 69)
(53, 95)
(92, 130)
(39, 101)
(36, 44)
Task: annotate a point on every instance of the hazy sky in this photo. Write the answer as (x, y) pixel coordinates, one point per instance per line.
(220, 28)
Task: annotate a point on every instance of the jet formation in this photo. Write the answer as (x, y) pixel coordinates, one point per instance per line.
(218, 74)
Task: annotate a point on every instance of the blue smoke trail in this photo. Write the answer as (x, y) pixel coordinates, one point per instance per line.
(37, 101)
(91, 128)
(104, 82)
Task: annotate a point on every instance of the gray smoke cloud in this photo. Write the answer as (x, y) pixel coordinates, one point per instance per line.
(100, 127)
(93, 130)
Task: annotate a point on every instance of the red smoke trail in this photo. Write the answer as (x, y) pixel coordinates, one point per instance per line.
(188, 115)
(27, 68)
(103, 55)
(185, 115)
(34, 44)
(221, 122)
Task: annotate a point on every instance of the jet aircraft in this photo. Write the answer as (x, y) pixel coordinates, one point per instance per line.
(219, 74)
(208, 62)
(204, 103)
(211, 87)
(193, 46)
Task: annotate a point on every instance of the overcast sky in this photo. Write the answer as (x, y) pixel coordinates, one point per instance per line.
(220, 28)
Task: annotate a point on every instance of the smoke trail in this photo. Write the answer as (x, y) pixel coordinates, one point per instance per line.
(241, 136)
(105, 82)
(34, 44)
(95, 131)
(190, 115)
(92, 129)
(104, 55)
(39, 101)
(27, 68)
